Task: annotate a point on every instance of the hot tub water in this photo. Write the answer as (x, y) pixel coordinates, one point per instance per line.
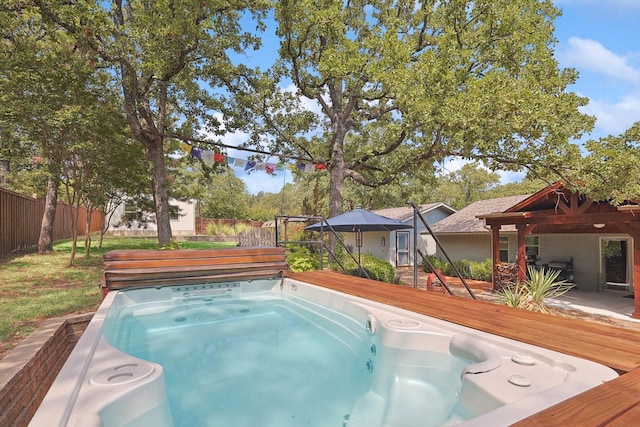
(249, 361)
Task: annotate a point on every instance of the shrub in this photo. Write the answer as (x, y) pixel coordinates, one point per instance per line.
(437, 264)
(214, 229)
(482, 270)
(301, 259)
(173, 244)
(377, 269)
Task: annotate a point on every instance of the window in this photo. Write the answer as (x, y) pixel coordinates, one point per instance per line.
(532, 249)
(504, 249)
(130, 209)
(174, 212)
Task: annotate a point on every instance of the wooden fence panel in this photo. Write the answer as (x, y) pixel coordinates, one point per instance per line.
(19, 223)
(257, 237)
(21, 218)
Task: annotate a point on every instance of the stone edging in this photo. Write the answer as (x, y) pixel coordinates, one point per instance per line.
(27, 372)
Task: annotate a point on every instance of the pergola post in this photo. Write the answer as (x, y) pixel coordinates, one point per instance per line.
(522, 253)
(636, 276)
(495, 253)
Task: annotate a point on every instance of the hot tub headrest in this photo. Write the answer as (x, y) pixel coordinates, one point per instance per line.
(469, 348)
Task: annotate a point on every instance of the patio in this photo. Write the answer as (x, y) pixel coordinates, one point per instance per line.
(615, 305)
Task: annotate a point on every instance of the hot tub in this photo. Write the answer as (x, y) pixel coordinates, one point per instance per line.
(286, 353)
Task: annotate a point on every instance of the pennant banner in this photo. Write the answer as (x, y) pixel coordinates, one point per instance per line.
(209, 157)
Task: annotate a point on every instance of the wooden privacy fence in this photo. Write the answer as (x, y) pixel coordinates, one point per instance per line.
(21, 218)
(257, 237)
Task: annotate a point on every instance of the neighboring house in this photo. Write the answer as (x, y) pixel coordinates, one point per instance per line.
(183, 220)
(397, 246)
(592, 243)
(464, 236)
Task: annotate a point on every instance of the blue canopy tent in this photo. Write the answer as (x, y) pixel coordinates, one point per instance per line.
(359, 221)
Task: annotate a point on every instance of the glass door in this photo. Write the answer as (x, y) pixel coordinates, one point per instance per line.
(402, 248)
(614, 254)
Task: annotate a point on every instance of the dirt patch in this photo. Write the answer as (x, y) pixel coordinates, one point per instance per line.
(61, 284)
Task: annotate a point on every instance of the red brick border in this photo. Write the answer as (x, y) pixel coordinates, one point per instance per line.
(29, 370)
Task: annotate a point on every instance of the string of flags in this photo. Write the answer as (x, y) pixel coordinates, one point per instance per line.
(210, 157)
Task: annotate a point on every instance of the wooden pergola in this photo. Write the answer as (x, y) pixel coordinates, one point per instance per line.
(555, 209)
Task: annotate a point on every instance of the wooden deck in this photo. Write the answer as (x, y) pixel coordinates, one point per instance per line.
(615, 403)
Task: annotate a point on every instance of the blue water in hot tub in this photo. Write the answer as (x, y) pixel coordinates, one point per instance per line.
(250, 361)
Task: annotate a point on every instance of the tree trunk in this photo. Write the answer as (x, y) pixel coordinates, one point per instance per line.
(104, 225)
(74, 232)
(160, 195)
(87, 232)
(336, 186)
(337, 170)
(45, 241)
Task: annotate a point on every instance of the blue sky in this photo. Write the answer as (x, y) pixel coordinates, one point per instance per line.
(599, 38)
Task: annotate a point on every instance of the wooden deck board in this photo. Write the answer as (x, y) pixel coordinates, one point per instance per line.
(615, 347)
(615, 403)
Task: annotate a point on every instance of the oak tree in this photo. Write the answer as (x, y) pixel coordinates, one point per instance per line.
(168, 58)
(395, 86)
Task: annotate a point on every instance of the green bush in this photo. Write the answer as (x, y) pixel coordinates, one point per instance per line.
(482, 270)
(437, 263)
(214, 229)
(301, 259)
(173, 244)
(377, 269)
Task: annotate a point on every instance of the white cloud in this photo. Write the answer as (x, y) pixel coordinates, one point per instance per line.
(508, 176)
(614, 119)
(586, 54)
(617, 107)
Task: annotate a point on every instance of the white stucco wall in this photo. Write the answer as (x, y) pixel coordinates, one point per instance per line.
(585, 250)
(473, 247)
(371, 243)
(184, 225)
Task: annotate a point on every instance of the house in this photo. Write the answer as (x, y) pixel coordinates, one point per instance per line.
(464, 236)
(183, 220)
(594, 244)
(397, 247)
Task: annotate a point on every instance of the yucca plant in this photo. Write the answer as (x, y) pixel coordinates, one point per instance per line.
(540, 285)
(512, 295)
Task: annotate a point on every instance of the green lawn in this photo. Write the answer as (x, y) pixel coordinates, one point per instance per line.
(35, 287)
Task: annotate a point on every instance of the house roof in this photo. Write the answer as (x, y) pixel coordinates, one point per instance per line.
(404, 213)
(466, 219)
(556, 209)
